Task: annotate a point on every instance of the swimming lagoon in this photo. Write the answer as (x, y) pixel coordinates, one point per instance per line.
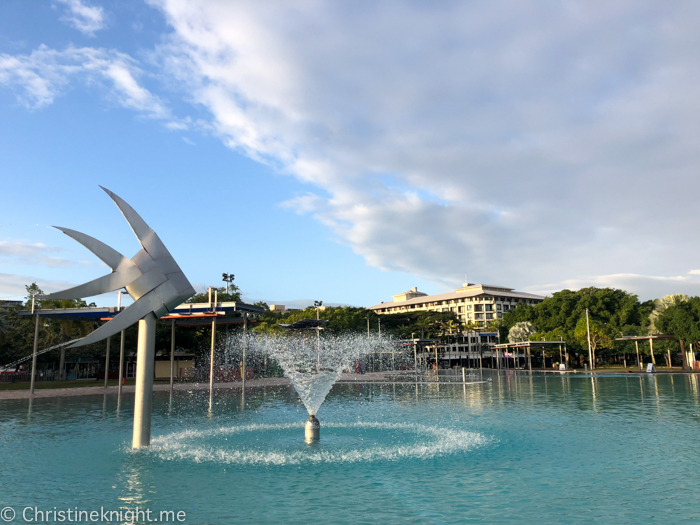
(520, 447)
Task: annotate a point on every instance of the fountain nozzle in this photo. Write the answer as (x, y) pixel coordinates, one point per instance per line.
(312, 429)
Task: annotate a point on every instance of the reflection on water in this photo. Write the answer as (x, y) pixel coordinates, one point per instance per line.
(522, 447)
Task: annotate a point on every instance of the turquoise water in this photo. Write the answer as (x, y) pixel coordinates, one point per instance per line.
(521, 449)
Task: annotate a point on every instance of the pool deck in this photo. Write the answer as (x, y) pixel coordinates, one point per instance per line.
(371, 377)
(129, 389)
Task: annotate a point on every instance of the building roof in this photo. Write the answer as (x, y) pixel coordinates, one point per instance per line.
(184, 312)
(410, 292)
(470, 291)
(306, 324)
(654, 337)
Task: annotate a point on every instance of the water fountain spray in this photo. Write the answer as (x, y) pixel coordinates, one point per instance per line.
(313, 363)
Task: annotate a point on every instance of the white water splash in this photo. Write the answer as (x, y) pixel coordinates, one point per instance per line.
(313, 364)
(431, 442)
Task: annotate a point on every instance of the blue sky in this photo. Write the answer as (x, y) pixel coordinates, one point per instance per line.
(349, 151)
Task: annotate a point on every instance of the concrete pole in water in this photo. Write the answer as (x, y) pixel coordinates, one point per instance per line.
(588, 333)
(172, 354)
(62, 364)
(317, 305)
(145, 362)
(121, 368)
(437, 377)
(245, 344)
(36, 343)
(211, 362)
(109, 343)
(121, 353)
(415, 357)
(312, 429)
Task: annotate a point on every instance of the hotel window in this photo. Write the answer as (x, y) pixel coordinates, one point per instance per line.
(489, 316)
(478, 308)
(461, 309)
(498, 307)
(499, 315)
(489, 307)
(469, 307)
(478, 316)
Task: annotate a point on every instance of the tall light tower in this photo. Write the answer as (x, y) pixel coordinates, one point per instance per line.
(228, 279)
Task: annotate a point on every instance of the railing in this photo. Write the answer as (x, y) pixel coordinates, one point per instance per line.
(25, 377)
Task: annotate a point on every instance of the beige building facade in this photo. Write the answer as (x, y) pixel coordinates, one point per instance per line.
(478, 303)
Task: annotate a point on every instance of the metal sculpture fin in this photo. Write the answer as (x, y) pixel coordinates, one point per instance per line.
(147, 304)
(106, 283)
(152, 277)
(146, 236)
(107, 254)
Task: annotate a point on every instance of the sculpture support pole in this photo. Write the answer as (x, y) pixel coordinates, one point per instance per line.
(143, 402)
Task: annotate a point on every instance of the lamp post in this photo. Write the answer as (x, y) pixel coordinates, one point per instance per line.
(228, 279)
(317, 305)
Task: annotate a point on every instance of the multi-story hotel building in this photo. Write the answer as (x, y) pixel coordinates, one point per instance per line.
(479, 303)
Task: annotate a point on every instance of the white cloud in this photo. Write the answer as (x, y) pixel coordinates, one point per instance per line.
(646, 286)
(520, 142)
(43, 75)
(38, 254)
(86, 19)
(12, 286)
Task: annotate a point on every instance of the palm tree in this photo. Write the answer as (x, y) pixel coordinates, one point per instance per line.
(4, 323)
(425, 326)
(661, 305)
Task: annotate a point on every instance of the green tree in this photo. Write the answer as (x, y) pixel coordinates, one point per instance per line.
(233, 295)
(599, 337)
(615, 309)
(681, 320)
(33, 290)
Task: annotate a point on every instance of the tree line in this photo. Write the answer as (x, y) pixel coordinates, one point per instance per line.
(612, 313)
